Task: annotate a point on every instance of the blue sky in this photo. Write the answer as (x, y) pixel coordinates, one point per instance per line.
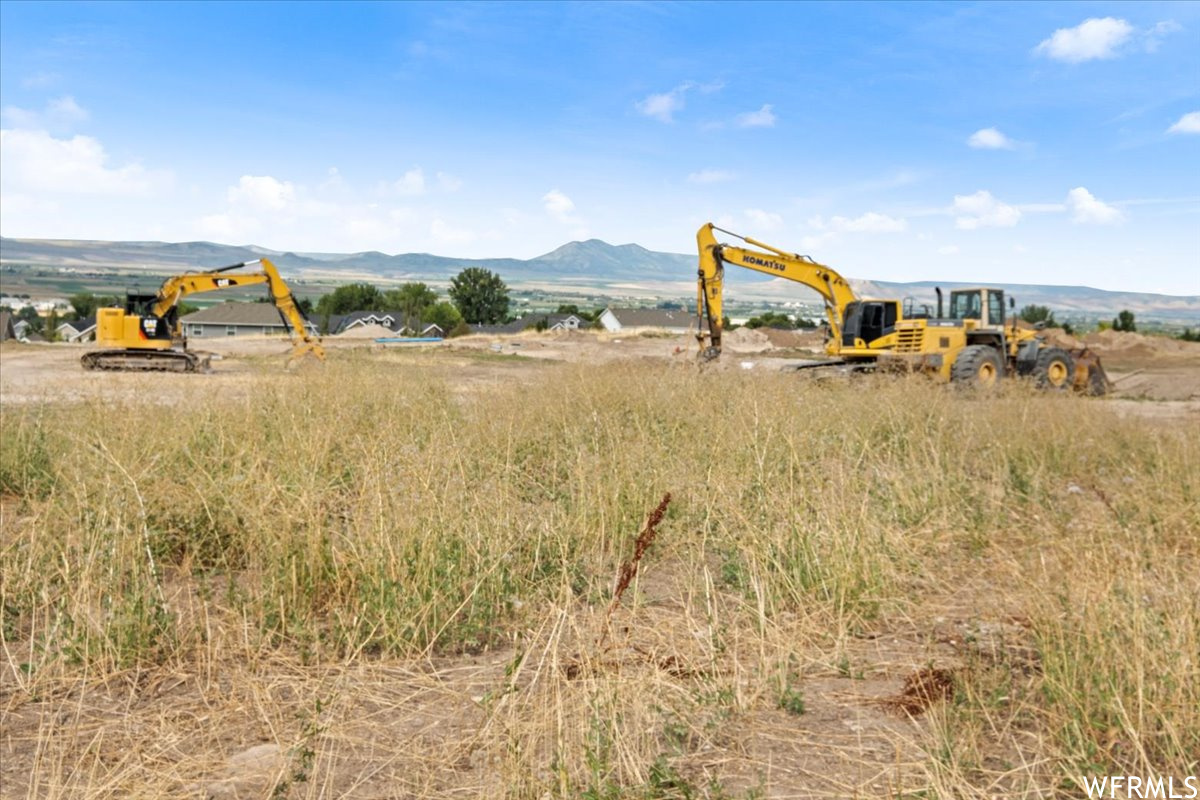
(1027, 142)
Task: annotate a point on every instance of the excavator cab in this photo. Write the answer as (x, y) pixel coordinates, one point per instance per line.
(868, 320)
(152, 327)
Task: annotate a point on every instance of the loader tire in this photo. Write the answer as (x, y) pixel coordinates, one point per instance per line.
(1054, 370)
(978, 365)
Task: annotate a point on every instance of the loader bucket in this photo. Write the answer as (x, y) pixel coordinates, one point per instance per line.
(1090, 377)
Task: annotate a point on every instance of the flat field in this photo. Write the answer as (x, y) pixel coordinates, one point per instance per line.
(410, 574)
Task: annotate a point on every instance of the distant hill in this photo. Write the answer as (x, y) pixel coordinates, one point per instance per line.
(594, 260)
(609, 269)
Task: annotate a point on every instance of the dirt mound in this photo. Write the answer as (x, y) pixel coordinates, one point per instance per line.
(781, 338)
(1060, 338)
(1139, 345)
(367, 332)
(747, 340)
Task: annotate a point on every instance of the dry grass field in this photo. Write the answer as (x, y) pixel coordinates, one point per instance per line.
(394, 576)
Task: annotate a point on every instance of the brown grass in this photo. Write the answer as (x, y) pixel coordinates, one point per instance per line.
(385, 576)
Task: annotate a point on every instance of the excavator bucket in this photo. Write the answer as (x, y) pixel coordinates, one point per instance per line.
(1090, 377)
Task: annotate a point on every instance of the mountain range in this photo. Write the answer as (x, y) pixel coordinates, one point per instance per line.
(620, 270)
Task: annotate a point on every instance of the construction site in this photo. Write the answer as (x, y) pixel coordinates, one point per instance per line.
(563, 564)
(599, 401)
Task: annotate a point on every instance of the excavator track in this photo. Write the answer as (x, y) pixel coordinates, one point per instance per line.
(147, 361)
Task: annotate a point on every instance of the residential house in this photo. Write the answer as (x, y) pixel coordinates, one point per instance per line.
(236, 319)
(547, 322)
(77, 330)
(392, 320)
(618, 319)
(21, 329)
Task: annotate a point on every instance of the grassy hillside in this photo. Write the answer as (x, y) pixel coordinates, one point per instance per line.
(407, 586)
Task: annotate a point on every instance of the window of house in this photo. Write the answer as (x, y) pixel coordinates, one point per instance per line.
(230, 330)
(197, 330)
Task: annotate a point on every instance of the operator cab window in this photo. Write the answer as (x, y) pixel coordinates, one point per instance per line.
(995, 308)
(966, 305)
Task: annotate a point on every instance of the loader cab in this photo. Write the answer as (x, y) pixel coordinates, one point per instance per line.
(985, 306)
(868, 320)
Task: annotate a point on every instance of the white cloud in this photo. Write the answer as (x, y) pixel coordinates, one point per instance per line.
(34, 161)
(763, 220)
(410, 184)
(443, 232)
(948, 250)
(763, 118)
(448, 182)
(228, 227)
(66, 109)
(990, 139)
(262, 192)
(871, 222)
(1089, 210)
(1094, 38)
(711, 176)
(981, 210)
(1188, 123)
(60, 114)
(663, 107)
(559, 206)
(1153, 36)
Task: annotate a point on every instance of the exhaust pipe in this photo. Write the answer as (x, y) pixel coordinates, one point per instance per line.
(938, 289)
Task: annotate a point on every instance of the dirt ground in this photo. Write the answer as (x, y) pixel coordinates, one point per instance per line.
(1151, 376)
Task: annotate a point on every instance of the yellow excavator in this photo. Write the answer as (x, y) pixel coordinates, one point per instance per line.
(971, 345)
(860, 330)
(146, 335)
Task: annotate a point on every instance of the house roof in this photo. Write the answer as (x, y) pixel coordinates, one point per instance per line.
(80, 325)
(652, 318)
(516, 326)
(390, 319)
(262, 314)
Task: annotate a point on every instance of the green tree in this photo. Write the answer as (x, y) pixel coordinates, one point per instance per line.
(1190, 335)
(30, 315)
(1035, 314)
(442, 314)
(351, 297)
(771, 319)
(480, 296)
(1124, 322)
(411, 299)
(86, 303)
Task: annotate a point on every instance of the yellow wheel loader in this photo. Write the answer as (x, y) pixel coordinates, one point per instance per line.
(973, 345)
(146, 336)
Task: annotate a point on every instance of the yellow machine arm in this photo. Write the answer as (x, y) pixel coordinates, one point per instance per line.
(832, 287)
(176, 288)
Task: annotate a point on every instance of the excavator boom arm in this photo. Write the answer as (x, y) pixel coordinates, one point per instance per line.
(834, 290)
(176, 288)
